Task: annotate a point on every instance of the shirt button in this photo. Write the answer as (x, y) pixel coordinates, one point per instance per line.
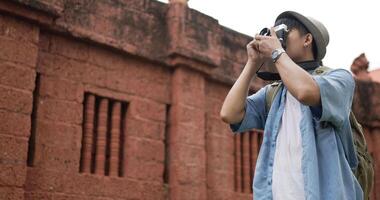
(271, 164)
(269, 182)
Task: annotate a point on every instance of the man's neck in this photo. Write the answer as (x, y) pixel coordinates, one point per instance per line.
(305, 59)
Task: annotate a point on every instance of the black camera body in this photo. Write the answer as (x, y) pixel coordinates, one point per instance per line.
(281, 32)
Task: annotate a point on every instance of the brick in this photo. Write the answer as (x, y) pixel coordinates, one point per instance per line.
(187, 154)
(139, 87)
(213, 107)
(242, 196)
(39, 179)
(185, 174)
(14, 150)
(83, 184)
(153, 82)
(60, 111)
(188, 88)
(220, 194)
(145, 128)
(144, 170)
(218, 180)
(156, 191)
(15, 29)
(54, 134)
(107, 59)
(188, 115)
(57, 88)
(145, 149)
(58, 66)
(78, 197)
(18, 52)
(215, 90)
(69, 48)
(220, 162)
(55, 196)
(38, 195)
(147, 109)
(12, 123)
(188, 192)
(187, 134)
(11, 193)
(16, 100)
(119, 80)
(114, 188)
(216, 127)
(16, 76)
(12, 174)
(56, 158)
(94, 75)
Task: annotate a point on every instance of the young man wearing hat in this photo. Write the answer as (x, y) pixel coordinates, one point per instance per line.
(307, 150)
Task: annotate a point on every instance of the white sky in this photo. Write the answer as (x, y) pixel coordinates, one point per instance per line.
(352, 25)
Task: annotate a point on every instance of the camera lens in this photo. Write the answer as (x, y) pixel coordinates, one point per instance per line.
(265, 32)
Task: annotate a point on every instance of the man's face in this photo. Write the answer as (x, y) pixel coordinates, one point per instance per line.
(295, 45)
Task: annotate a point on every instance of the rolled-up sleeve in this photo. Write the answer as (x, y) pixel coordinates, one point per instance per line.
(254, 116)
(336, 89)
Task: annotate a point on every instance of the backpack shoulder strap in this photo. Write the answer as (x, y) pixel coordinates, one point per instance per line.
(274, 87)
(359, 130)
(321, 70)
(271, 94)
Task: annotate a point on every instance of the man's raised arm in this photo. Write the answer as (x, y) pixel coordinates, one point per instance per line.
(232, 110)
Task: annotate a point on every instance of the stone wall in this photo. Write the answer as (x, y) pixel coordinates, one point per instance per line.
(120, 99)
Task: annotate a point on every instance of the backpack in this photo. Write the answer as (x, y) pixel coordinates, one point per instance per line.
(365, 170)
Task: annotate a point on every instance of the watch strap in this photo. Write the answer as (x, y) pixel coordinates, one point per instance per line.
(279, 51)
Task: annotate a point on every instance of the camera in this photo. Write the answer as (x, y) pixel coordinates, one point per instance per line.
(281, 32)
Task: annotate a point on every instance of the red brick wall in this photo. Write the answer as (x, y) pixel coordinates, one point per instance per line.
(120, 100)
(366, 106)
(69, 69)
(18, 57)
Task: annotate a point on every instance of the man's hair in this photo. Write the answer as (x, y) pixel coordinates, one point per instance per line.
(293, 23)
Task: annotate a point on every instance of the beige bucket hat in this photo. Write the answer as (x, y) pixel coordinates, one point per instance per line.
(316, 28)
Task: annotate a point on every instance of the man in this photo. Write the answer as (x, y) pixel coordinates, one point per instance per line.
(307, 150)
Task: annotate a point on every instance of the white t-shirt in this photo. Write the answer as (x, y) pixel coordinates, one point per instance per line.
(287, 180)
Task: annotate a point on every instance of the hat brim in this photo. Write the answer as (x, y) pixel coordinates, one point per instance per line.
(317, 35)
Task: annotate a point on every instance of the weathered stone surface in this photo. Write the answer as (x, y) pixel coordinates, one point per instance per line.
(64, 66)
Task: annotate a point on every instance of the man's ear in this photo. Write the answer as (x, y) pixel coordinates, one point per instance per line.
(308, 40)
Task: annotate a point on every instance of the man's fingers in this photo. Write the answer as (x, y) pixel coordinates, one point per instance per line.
(254, 44)
(251, 44)
(261, 37)
(273, 32)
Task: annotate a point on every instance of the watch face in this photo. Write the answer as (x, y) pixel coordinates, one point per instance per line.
(274, 54)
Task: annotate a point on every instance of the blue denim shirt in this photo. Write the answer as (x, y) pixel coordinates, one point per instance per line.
(328, 156)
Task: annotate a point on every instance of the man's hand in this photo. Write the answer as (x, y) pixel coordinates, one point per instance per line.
(266, 44)
(254, 56)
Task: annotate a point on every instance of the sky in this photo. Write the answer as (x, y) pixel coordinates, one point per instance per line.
(351, 24)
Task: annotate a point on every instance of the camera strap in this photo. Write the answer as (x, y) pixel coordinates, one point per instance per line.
(270, 76)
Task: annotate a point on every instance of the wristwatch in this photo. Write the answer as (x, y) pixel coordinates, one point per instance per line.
(277, 53)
